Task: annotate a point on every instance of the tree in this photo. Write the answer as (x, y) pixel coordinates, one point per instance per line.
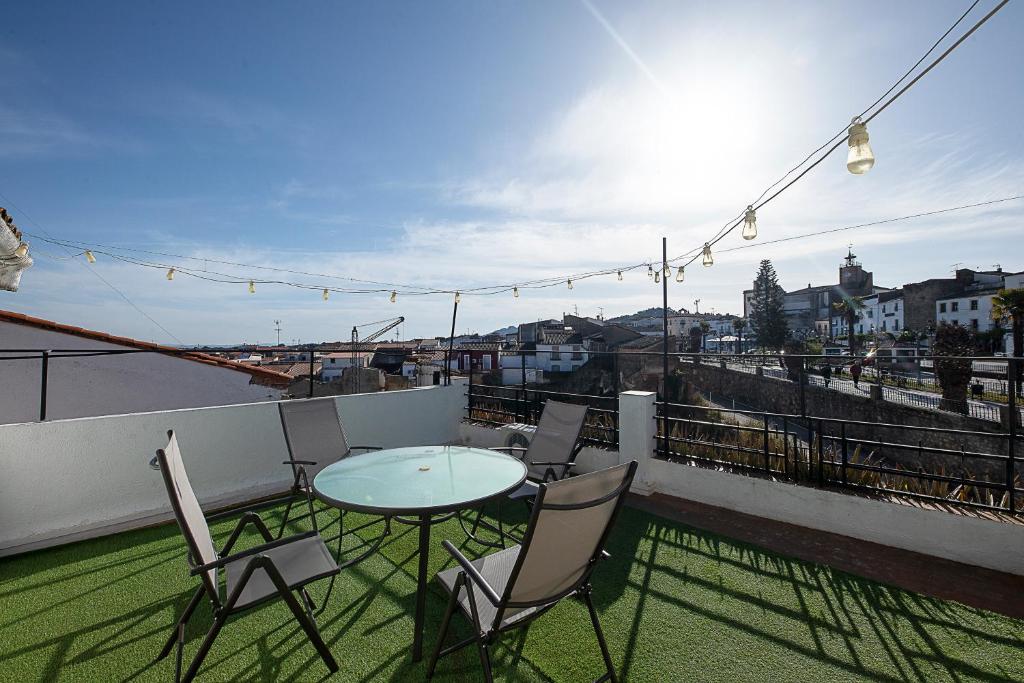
(768, 315)
(954, 373)
(705, 327)
(1008, 304)
(737, 326)
(850, 309)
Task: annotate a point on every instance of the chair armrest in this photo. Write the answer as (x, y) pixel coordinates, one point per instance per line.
(241, 510)
(570, 463)
(473, 573)
(249, 552)
(299, 462)
(366, 448)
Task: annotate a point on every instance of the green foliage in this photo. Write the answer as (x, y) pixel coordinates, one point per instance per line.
(850, 309)
(768, 317)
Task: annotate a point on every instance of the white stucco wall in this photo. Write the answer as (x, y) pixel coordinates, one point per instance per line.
(70, 479)
(111, 385)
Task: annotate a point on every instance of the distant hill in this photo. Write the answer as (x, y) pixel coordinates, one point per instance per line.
(511, 329)
(646, 313)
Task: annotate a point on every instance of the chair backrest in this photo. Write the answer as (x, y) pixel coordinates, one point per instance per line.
(568, 528)
(187, 511)
(313, 431)
(555, 439)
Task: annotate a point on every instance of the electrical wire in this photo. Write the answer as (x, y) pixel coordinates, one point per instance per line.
(687, 257)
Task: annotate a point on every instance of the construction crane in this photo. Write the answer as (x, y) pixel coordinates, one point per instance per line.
(388, 325)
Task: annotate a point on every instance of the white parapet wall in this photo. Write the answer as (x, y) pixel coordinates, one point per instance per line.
(66, 480)
(958, 537)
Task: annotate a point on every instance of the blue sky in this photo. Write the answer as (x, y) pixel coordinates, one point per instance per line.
(459, 144)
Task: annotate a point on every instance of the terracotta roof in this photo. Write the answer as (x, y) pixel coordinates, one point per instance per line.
(302, 369)
(260, 375)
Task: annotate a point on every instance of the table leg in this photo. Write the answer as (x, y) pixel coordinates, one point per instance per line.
(421, 588)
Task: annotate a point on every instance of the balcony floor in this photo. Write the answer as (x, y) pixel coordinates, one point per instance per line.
(677, 604)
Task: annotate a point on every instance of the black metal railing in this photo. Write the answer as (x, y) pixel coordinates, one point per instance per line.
(895, 460)
(500, 405)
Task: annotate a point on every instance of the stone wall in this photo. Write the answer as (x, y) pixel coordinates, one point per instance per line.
(783, 396)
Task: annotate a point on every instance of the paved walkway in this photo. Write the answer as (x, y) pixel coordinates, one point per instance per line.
(932, 576)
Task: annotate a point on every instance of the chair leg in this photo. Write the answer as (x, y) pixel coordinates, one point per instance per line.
(182, 620)
(600, 636)
(204, 649)
(485, 660)
(284, 520)
(309, 626)
(452, 602)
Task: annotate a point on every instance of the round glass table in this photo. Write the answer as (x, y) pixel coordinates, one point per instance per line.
(415, 485)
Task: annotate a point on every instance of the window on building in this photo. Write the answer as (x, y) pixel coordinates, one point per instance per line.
(555, 354)
(942, 308)
(883, 326)
(577, 355)
(974, 304)
(956, 323)
(896, 307)
(871, 314)
(896, 325)
(955, 306)
(974, 323)
(556, 368)
(883, 308)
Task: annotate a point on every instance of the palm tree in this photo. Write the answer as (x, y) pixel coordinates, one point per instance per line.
(737, 325)
(705, 327)
(850, 309)
(1009, 304)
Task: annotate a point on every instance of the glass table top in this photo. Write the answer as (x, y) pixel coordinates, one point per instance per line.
(418, 479)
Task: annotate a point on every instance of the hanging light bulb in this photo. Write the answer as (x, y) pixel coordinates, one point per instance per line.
(89, 257)
(650, 271)
(457, 297)
(515, 292)
(749, 224)
(394, 296)
(668, 270)
(679, 274)
(620, 276)
(657, 276)
(21, 251)
(860, 159)
(569, 282)
(708, 260)
(170, 274)
(252, 287)
(326, 294)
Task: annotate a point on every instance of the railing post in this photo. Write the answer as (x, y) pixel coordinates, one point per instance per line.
(1011, 403)
(469, 394)
(821, 457)
(842, 436)
(767, 457)
(42, 385)
(785, 452)
(311, 371)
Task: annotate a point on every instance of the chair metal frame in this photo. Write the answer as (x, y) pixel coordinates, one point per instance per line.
(470, 579)
(223, 609)
(549, 475)
(301, 487)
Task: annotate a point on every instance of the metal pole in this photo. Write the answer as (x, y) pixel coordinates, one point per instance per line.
(42, 385)
(310, 370)
(451, 344)
(664, 349)
(1011, 403)
(522, 368)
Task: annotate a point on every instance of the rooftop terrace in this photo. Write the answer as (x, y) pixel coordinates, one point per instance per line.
(678, 603)
(713, 575)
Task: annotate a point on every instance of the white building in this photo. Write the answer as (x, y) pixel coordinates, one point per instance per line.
(881, 312)
(335, 363)
(90, 386)
(972, 310)
(565, 356)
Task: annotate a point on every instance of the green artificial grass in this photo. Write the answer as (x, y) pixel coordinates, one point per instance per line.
(677, 604)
